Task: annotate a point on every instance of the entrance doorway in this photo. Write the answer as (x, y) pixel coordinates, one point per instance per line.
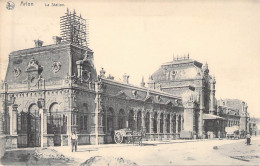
(34, 127)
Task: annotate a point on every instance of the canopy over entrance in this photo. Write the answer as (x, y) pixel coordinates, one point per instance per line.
(211, 117)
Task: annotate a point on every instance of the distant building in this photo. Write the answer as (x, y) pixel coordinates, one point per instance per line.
(51, 91)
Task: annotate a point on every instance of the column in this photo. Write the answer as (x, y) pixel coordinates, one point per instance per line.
(158, 126)
(171, 123)
(14, 126)
(2, 121)
(165, 126)
(135, 120)
(219, 128)
(143, 121)
(14, 119)
(218, 110)
(158, 123)
(115, 121)
(45, 138)
(68, 115)
(212, 95)
(151, 122)
(126, 120)
(248, 125)
(100, 123)
(10, 120)
(45, 121)
(202, 108)
(189, 112)
(97, 136)
(177, 123)
(164, 123)
(181, 122)
(41, 114)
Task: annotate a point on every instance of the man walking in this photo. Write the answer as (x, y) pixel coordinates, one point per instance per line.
(74, 141)
(248, 139)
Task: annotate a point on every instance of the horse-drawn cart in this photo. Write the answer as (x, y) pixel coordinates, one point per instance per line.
(232, 132)
(128, 136)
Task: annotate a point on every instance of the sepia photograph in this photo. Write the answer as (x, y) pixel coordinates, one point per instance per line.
(129, 82)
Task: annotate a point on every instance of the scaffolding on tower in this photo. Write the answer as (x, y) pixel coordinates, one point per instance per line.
(73, 28)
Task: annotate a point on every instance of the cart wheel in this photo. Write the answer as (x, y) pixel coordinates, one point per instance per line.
(118, 138)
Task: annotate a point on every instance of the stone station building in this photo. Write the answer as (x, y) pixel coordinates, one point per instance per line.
(50, 91)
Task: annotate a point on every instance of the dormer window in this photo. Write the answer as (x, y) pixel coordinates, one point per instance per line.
(134, 93)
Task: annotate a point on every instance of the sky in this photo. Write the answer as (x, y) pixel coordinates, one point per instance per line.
(136, 37)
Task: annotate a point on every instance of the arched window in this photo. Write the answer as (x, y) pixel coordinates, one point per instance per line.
(139, 121)
(161, 123)
(155, 122)
(84, 118)
(108, 120)
(131, 120)
(121, 119)
(174, 123)
(33, 126)
(179, 124)
(168, 124)
(22, 123)
(56, 120)
(147, 122)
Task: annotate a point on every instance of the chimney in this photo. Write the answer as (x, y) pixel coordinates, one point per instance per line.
(57, 39)
(142, 83)
(151, 83)
(38, 43)
(126, 78)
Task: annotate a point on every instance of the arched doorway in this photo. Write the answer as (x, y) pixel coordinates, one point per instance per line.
(139, 121)
(155, 122)
(161, 123)
(179, 124)
(147, 122)
(22, 129)
(168, 124)
(108, 120)
(33, 126)
(83, 121)
(56, 123)
(121, 119)
(131, 120)
(174, 124)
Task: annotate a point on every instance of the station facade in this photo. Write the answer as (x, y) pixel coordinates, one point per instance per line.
(50, 91)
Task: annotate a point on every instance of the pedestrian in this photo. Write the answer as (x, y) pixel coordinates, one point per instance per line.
(248, 139)
(74, 141)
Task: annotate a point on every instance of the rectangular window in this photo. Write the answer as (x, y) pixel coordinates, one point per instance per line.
(19, 124)
(81, 123)
(85, 122)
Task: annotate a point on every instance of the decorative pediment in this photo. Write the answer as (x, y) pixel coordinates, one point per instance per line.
(148, 99)
(122, 95)
(134, 93)
(33, 66)
(169, 103)
(84, 68)
(158, 98)
(190, 97)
